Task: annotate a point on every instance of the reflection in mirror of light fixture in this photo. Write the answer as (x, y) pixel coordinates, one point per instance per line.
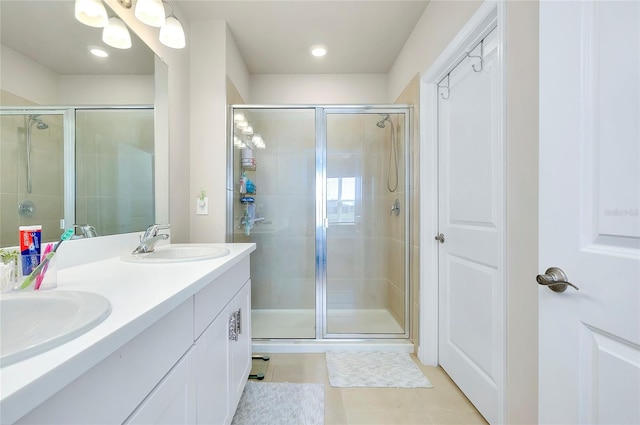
(318, 50)
(240, 125)
(116, 34)
(150, 12)
(172, 34)
(238, 116)
(99, 52)
(125, 3)
(92, 13)
(248, 130)
(257, 141)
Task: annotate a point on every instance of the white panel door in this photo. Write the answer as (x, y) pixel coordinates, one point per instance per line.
(469, 198)
(590, 212)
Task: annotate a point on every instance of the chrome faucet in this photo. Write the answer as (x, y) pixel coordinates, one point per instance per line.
(151, 237)
(88, 231)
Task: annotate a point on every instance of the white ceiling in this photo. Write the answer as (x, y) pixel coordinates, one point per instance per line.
(362, 36)
(274, 37)
(47, 32)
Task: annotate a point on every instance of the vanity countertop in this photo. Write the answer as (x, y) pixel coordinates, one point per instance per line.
(139, 294)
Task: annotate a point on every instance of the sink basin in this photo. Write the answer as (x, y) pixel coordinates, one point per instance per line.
(34, 322)
(177, 253)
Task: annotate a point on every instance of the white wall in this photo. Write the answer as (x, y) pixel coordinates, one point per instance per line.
(318, 89)
(26, 78)
(236, 67)
(208, 162)
(30, 80)
(437, 26)
(521, 58)
(106, 89)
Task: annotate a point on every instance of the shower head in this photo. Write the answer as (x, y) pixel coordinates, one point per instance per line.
(40, 125)
(381, 122)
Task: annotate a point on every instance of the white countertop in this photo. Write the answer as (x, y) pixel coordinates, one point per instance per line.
(140, 294)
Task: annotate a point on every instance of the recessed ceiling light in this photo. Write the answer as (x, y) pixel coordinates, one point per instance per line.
(99, 52)
(318, 50)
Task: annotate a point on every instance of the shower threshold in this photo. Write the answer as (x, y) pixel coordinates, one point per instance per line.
(293, 330)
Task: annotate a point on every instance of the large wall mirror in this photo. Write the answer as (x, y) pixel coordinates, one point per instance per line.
(80, 135)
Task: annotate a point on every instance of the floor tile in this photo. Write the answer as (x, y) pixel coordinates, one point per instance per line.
(442, 404)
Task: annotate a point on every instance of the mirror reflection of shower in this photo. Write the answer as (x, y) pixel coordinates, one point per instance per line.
(393, 154)
(40, 125)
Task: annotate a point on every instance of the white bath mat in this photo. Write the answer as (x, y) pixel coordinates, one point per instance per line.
(276, 403)
(374, 369)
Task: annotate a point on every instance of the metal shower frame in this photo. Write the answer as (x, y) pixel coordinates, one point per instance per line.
(321, 112)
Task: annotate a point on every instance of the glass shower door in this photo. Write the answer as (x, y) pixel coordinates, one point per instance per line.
(277, 213)
(365, 198)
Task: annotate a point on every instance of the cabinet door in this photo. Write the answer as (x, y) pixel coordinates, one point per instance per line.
(240, 350)
(212, 362)
(173, 401)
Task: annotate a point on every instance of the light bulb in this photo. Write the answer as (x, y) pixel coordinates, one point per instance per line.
(318, 50)
(91, 12)
(150, 12)
(172, 34)
(116, 34)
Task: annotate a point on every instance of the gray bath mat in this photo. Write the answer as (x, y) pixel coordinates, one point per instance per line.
(374, 369)
(276, 403)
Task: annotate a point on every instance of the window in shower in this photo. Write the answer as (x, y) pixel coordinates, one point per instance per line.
(341, 197)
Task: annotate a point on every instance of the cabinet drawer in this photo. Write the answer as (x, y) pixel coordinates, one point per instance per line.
(211, 300)
(173, 401)
(111, 390)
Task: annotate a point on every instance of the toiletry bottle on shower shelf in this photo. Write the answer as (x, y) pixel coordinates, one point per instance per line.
(243, 183)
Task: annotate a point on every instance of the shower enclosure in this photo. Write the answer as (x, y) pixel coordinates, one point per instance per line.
(66, 165)
(323, 192)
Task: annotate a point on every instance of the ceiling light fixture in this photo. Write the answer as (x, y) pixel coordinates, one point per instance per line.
(318, 50)
(116, 34)
(172, 34)
(150, 12)
(92, 13)
(99, 52)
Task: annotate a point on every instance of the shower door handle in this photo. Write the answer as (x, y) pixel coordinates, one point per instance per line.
(440, 238)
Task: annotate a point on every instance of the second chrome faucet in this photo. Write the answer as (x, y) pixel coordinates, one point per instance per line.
(151, 237)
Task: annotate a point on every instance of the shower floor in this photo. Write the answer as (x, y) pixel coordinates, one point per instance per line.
(300, 324)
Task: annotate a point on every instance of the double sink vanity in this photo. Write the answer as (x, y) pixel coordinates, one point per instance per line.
(162, 337)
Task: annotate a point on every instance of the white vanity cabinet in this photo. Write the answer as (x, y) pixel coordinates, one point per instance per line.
(189, 367)
(223, 349)
(109, 392)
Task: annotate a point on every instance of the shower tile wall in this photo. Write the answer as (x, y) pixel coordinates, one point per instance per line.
(46, 177)
(394, 240)
(114, 169)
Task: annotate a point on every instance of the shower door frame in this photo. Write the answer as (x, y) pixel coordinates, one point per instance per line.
(321, 222)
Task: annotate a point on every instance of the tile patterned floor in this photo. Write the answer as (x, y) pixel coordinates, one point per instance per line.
(442, 404)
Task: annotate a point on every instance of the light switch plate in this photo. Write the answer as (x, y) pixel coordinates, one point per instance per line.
(202, 206)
